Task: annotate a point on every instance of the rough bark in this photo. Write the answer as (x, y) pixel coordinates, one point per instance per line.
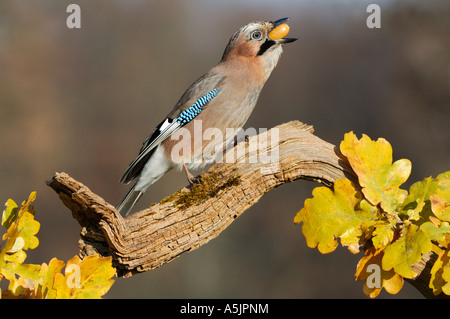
(190, 218)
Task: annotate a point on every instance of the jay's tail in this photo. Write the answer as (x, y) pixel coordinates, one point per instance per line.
(129, 200)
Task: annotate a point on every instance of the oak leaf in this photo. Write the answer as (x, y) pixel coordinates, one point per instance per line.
(93, 274)
(440, 204)
(418, 204)
(331, 214)
(440, 274)
(375, 277)
(85, 278)
(379, 178)
(439, 233)
(406, 250)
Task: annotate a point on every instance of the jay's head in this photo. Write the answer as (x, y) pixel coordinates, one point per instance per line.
(260, 40)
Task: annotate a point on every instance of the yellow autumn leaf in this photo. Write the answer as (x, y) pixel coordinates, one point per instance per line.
(28, 229)
(21, 224)
(9, 214)
(444, 179)
(382, 235)
(440, 204)
(375, 277)
(440, 234)
(8, 218)
(27, 275)
(17, 257)
(446, 277)
(19, 243)
(44, 288)
(331, 214)
(406, 250)
(378, 176)
(401, 226)
(89, 278)
(437, 281)
(418, 204)
(93, 274)
(419, 195)
(21, 228)
(9, 252)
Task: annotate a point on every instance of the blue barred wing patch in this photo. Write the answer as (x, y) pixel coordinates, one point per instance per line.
(194, 110)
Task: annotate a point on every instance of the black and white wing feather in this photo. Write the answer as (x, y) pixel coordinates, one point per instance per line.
(163, 131)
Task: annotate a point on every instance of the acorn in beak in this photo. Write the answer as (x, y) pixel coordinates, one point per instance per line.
(276, 35)
(279, 32)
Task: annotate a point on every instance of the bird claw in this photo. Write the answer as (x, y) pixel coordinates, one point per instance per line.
(191, 178)
(195, 179)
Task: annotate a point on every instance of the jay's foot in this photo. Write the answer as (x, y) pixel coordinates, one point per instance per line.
(195, 179)
(191, 178)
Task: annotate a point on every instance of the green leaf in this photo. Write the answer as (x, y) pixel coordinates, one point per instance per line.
(378, 176)
(445, 178)
(406, 250)
(419, 196)
(331, 214)
(9, 214)
(418, 203)
(439, 234)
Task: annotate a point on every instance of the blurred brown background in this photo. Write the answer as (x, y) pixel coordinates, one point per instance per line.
(83, 100)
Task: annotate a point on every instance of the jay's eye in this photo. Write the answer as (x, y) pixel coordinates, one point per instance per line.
(256, 35)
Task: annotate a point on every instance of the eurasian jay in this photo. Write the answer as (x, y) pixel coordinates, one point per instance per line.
(222, 98)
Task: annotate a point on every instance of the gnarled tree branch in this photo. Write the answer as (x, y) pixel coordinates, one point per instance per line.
(190, 218)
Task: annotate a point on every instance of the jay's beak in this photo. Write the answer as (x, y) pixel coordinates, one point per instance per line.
(277, 23)
(277, 35)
